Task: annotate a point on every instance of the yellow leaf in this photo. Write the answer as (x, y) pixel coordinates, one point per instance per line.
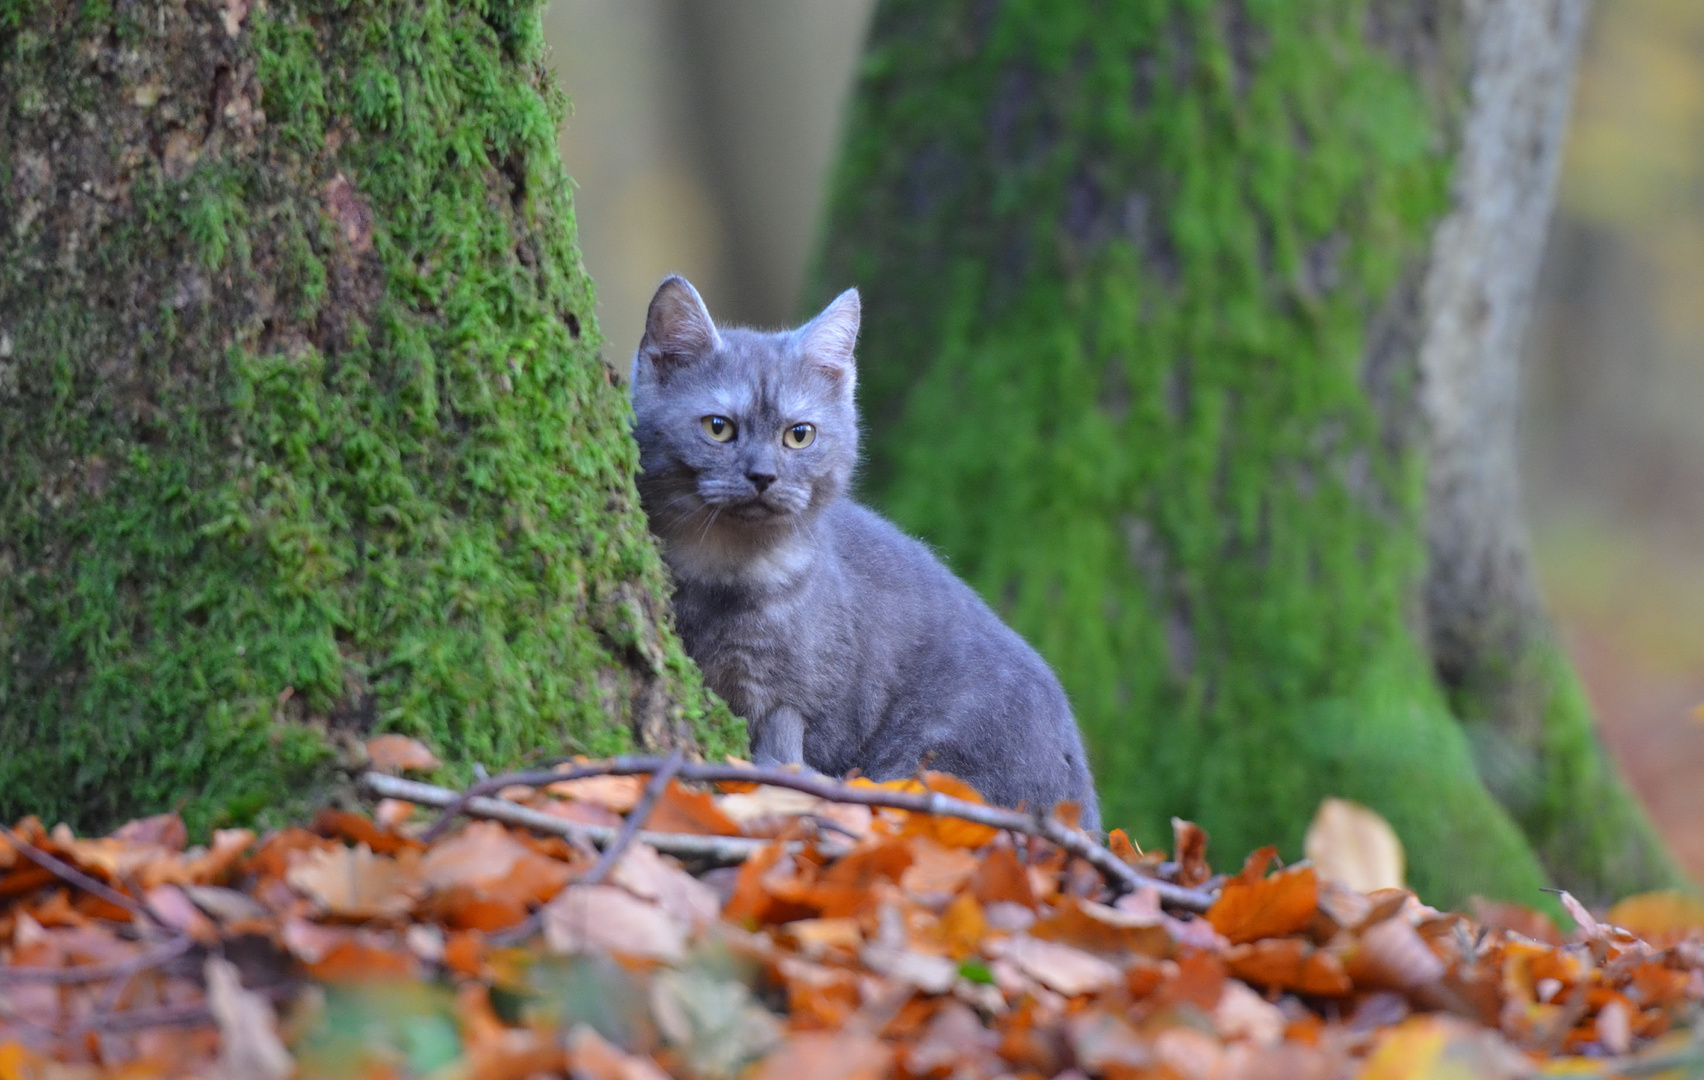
(1661, 918)
(1354, 846)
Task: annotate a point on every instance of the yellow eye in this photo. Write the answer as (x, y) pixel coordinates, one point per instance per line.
(719, 428)
(799, 436)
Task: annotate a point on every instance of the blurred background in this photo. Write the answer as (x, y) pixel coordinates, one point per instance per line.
(700, 141)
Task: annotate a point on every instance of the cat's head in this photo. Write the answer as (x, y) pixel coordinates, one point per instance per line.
(741, 429)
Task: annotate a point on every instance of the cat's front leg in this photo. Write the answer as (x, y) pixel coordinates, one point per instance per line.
(779, 738)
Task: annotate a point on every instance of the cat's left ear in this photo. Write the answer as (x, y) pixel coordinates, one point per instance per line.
(828, 339)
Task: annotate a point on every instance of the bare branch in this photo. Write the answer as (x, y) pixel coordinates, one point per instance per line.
(1122, 876)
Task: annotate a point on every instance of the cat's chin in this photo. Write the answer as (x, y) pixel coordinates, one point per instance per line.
(756, 512)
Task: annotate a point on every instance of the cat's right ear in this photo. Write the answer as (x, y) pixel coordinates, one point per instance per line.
(678, 329)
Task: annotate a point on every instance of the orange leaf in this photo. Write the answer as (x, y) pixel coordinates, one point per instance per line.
(1661, 918)
(1002, 879)
(398, 753)
(1190, 840)
(683, 810)
(1121, 845)
(1289, 964)
(1251, 906)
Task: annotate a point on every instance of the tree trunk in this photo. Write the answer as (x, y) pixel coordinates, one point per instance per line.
(1491, 641)
(1152, 355)
(303, 429)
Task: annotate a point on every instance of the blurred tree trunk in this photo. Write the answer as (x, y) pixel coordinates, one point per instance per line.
(303, 429)
(1191, 340)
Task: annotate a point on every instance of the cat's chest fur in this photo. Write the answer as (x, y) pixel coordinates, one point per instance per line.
(776, 634)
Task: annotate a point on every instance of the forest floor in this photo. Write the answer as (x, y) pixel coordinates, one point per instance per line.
(801, 929)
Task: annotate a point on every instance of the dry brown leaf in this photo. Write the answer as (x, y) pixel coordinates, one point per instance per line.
(814, 937)
(492, 861)
(618, 794)
(250, 1048)
(608, 919)
(843, 1055)
(644, 873)
(1058, 967)
(1251, 906)
(1189, 840)
(1501, 915)
(396, 754)
(1392, 955)
(1243, 1014)
(354, 883)
(1350, 844)
(590, 1057)
(937, 872)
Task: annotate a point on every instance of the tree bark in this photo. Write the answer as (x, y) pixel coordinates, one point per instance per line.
(303, 429)
(1491, 641)
(1152, 354)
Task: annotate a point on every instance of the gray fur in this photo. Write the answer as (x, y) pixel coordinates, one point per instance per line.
(845, 643)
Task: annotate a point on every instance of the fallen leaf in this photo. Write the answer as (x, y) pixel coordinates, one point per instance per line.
(590, 1057)
(1251, 906)
(1243, 1014)
(1661, 918)
(814, 937)
(354, 883)
(1120, 844)
(1528, 922)
(644, 873)
(1059, 967)
(843, 1055)
(937, 872)
(1189, 840)
(714, 1023)
(1392, 955)
(1351, 844)
(684, 810)
(396, 754)
(250, 1048)
(1442, 1048)
(606, 918)
(619, 794)
(1289, 964)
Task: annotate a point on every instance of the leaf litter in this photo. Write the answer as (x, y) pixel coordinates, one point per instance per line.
(853, 943)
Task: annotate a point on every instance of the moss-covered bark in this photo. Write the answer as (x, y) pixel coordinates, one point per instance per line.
(1143, 285)
(303, 429)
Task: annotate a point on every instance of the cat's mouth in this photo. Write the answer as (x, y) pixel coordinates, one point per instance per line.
(755, 509)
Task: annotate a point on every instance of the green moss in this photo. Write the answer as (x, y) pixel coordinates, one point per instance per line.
(306, 432)
(1124, 266)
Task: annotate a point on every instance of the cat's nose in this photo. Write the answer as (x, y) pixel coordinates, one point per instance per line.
(761, 480)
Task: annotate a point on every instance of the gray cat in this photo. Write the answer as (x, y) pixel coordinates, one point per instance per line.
(845, 643)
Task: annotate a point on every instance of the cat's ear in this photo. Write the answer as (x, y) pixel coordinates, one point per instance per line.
(828, 339)
(678, 329)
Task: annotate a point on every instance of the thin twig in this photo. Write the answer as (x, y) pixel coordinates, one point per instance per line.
(719, 849)
(82, 973)
(1122, 876)
(635, 819)
(66, 872)
(605, 865)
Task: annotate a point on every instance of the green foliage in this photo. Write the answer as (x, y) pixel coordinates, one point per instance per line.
(1135, 362)
(314, 439)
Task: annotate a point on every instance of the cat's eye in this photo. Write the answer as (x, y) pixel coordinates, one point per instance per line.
(799, 436)
(719, 428)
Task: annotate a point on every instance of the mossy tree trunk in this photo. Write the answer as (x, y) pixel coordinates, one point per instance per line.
(304, 433)
(1158, 299)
